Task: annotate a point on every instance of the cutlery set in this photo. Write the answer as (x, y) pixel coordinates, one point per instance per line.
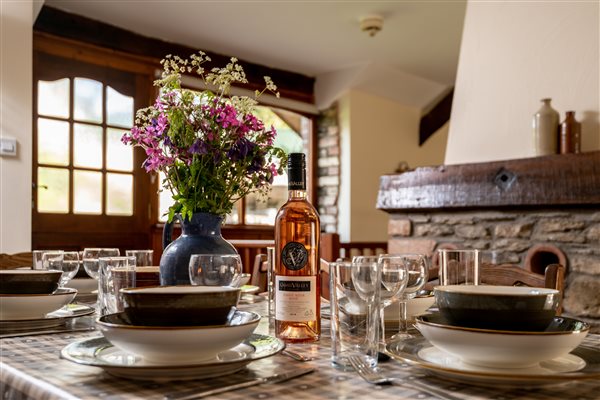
(375, 377)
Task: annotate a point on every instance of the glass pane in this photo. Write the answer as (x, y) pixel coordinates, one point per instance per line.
(87, 187)
(88, 100)
(53, 98)
(119, 194)
(165, 199)
(260, 213)
(118, 156)
(88, 146)
(119, 108)
(233, 218)
(53, 142)
(53, 190)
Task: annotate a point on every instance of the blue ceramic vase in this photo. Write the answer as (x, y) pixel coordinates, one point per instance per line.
(200, 235)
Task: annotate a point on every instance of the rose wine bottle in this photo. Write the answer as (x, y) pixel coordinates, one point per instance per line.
(297, 260)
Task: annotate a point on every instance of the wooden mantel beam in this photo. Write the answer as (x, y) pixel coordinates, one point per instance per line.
(556, 180)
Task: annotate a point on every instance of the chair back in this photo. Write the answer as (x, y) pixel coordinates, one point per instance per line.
(260, 272)
(18, 260)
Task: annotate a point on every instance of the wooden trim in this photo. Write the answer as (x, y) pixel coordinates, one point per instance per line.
(74, 27)
(92, 54)
(436, 118)
(556, 180)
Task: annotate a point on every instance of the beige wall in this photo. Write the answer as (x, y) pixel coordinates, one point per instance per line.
(15, 122)
(376, 134)
(512, 55)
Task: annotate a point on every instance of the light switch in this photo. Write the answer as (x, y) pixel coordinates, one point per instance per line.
(8, 147)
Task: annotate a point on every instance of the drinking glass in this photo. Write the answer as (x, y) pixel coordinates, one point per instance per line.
(143, 258)
(52, 260)
(69, 267)
(349, 319)
(91, 256)
(115, 273)
(394, 278)
(459, 267)
(37, 258)
(214, 269)
(417, 269)
(366, 280)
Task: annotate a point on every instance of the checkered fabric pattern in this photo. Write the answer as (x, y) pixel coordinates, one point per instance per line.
(30, 367)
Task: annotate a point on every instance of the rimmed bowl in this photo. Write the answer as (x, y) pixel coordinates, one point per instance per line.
(497, 307)
(177, 344)
(180, 305)
(501, 348)
(32, 306)
(27, 281)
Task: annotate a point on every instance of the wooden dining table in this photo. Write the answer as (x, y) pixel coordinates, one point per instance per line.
(31, 368)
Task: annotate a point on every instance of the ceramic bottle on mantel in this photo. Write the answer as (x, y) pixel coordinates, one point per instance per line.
(545, 129)
(570, 131)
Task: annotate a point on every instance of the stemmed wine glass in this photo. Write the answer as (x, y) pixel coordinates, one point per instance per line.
(366, 278)
(90, 259)
(69, 267)
(417, 269)
(394, 278)
(215, 269)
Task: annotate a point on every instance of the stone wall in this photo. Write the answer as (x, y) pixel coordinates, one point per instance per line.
(328, 169)
(516, 236)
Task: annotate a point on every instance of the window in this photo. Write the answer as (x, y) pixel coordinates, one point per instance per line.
(89, 187)
(82, 166)
(293, 131)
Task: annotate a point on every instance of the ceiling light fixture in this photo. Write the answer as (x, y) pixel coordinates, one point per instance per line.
(371, 24)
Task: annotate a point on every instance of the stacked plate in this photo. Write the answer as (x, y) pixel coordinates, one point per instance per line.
(31, 299)
(500, 335)
(175, 333)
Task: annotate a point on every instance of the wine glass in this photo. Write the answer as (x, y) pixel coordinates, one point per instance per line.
(417, 269)
(366, 278)
(69, 267)
(394, 278)
(215, 269)
(90, 259)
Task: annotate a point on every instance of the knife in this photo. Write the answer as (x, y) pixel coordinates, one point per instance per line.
(276, 378)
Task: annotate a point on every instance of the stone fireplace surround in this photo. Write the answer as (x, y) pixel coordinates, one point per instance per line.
(531, 212)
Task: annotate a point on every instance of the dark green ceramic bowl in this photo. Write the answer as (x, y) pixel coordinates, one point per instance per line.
(180, 305)
(27, 281)
(517, 308)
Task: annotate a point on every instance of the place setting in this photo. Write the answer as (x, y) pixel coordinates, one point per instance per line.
(496, 335)
(34, 299)
(166, 333)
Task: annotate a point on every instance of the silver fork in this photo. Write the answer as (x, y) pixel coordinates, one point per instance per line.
(375, 377)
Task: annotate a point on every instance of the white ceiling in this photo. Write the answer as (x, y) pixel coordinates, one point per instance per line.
(420, 39)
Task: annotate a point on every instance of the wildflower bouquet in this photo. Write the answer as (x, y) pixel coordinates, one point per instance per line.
(211, 148)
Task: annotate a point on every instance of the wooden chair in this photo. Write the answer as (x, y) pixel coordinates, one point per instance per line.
(332, 248)
(12, 261)
(514, 275)
(260, 272)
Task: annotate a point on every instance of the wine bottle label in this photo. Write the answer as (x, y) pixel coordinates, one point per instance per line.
(294, 256)
(295, 298)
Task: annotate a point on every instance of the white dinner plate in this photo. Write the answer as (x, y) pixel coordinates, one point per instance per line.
(33, 306)
(249, 289)
(98, 352)
(581, 363)
(84, 285)
(53, 319)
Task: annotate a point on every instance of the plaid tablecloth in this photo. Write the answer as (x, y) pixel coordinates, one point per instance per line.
(30, 367)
